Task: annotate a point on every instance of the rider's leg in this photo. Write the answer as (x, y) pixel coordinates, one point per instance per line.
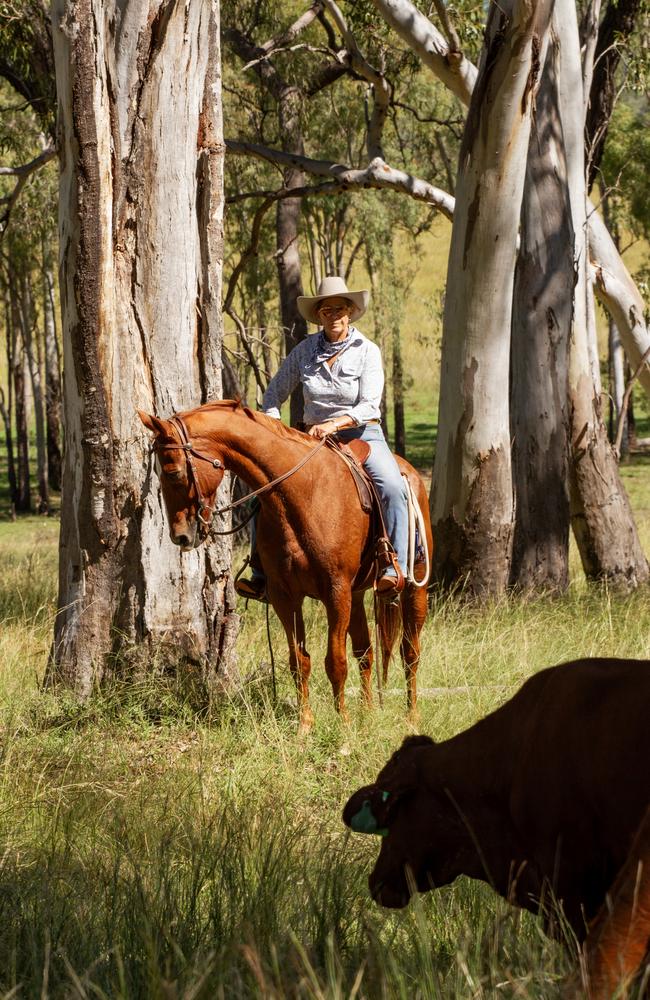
(256, 566)
(253, 587)
(387, 478)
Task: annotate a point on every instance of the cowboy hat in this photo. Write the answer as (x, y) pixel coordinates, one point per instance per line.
(329, 288)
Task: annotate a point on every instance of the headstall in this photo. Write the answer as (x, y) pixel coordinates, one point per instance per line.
(205, 511)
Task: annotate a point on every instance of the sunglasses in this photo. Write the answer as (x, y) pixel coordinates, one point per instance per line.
(331, 311)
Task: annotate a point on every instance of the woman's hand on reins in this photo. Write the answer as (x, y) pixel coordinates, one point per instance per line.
(322, 430)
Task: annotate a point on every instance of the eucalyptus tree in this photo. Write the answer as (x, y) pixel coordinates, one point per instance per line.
(140, 228)
(624, 562)
(473, 487)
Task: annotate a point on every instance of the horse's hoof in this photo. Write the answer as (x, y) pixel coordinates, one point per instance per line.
(306, 723)
(413, 720)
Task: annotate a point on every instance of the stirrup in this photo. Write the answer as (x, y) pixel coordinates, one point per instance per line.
(252, 590)
(385, 584)
(389, 586)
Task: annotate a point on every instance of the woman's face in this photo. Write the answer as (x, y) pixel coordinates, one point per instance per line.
(334, 314)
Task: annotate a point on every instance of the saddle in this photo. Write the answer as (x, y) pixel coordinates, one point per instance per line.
(379, 547)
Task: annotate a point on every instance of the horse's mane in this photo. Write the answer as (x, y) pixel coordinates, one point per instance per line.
(271, 423)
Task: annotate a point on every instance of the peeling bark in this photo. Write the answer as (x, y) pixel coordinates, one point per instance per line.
(140, 248)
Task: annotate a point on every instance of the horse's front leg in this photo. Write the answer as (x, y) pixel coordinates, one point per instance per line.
(338, 607)
(290, 614)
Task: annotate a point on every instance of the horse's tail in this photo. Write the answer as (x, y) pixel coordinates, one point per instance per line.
(388, 615)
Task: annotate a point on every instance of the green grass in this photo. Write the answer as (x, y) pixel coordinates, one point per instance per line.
(149, 850)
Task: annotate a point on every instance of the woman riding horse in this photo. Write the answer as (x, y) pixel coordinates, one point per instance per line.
(342, 381)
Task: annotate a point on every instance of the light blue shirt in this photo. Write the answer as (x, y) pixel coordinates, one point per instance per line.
(352, 387)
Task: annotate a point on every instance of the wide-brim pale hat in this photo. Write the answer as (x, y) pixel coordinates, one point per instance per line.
(329, 288)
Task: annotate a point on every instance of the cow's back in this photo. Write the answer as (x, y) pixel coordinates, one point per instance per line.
(581, 782)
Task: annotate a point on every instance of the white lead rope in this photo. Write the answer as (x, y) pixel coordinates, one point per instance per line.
(416, 525)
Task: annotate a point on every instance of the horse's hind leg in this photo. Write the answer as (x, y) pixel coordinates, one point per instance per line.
(299, 659)
(336, 661)
(414, 612)
(361, 645)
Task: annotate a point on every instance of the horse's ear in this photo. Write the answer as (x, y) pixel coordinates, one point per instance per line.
(152, 423)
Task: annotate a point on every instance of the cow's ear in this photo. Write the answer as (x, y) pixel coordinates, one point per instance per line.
(371, 810)
(153, 424)
(412, 742)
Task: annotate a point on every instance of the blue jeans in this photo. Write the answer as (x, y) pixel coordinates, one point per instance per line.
(385, 474)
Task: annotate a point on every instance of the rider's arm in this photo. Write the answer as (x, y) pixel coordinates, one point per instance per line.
(285, 380)
(371, 386)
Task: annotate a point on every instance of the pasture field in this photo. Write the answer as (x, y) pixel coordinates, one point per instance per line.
(154, 849)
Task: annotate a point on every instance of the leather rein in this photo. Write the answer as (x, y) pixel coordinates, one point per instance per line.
(206, 511)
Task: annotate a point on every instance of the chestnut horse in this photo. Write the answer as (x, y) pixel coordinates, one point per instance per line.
(312, 534)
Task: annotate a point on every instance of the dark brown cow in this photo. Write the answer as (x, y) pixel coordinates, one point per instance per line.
(544, 796)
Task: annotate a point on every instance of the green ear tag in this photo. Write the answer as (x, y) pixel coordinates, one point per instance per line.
(365, 822)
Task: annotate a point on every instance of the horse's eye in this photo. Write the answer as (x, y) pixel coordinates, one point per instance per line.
(174, 474)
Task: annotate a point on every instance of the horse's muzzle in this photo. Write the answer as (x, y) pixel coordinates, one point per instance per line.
(186, 537)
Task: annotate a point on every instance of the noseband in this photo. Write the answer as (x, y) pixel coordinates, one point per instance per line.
(205, 510)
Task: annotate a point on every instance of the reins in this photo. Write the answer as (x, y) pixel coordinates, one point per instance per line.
(203, 506)
(274, 482)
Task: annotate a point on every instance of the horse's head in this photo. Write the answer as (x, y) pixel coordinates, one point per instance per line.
(189, 478)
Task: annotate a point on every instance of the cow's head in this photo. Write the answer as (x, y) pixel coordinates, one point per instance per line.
(425, 841)
(189, 482)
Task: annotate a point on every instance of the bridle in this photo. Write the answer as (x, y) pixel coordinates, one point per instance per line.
(203, 506)
(205, 511)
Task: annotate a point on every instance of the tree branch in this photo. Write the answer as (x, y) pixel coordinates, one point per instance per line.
(589, 40)
(285, 37)
(378, 174)
(452, 68)
(23, 173)
(618, 292)
(626, 399)
(379, 83)
(612, 282)
(448, 28)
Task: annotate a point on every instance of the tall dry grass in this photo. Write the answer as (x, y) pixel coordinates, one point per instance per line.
(152, 850)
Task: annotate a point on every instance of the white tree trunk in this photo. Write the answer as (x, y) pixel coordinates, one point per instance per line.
(471, 499)
(616, 381)
(138, 92)
(541, 325)
(601, 517)
(619, 294)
